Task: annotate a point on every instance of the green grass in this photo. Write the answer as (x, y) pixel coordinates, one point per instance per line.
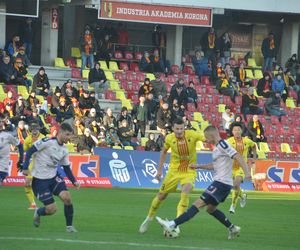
(109, 219)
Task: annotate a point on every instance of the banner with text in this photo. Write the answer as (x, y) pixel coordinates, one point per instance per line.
(126, 168)
(86, 168)
(277, 176)
(135, 12)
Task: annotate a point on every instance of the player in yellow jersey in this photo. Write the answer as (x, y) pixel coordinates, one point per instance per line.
(30, 139)
(241, 145)
(183, 153)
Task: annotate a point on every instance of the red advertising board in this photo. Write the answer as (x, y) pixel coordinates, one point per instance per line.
(150, 13)
(283, 176)
(86, 168)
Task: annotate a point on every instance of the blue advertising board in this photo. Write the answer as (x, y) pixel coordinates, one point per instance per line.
(132, 168)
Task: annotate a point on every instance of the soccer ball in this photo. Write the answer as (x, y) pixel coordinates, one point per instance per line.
(172, 234)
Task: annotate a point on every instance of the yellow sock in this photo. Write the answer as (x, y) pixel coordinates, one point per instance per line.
(154, 206)
(241, 193)
(29, 194)
(183, 203)
(235, 196)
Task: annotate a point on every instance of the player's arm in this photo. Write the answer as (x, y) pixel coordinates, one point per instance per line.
(202, 166)
(243, 164)
(28, 156)
(70, 175)
(162, 159)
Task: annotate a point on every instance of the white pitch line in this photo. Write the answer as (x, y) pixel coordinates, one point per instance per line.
(133, 244)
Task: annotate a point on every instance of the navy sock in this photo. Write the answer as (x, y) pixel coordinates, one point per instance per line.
(220, 216)
(190, 213)
(41, 211)
(69, 214)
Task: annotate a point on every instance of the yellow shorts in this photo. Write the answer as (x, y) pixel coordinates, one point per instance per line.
(174, 177)
(238, 172)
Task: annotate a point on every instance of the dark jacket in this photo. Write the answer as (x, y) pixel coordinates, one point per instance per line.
(96, 75)
(265, 48)
(40, 82)
(63, 113)
(250, 102)
(164, 118)
(262, 84)
(152, 145)
(6, 71)
(252, 131)
(85, 103)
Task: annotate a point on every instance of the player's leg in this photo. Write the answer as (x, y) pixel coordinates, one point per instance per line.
(42, 190)
(65, 196)
(3, 175)
(169, 184)
(29, 193)
(187, 183)
(235, 192)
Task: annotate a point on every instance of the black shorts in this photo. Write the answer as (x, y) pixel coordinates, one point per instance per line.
(216, 193)
(45, 189)
(3, 175)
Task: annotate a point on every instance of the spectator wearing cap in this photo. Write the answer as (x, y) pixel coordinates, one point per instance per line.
(88, 47)
(250, 103)
(146, 88)
(109, 120)
(158, 63)
(269, 49)
(23, 56)
(8, 73)
(69, 91)
(159, 88)
(278, 85)
(140, 117)
(272, 105)
(227, 118)
(146, 64)
(225, 87)
(98, 80)
(85, 102)
(200, 63)
(256, 130)
(123, 115)
(21, 76)
(41, 82)
(264, 86)
(192, 94)
(64, 113)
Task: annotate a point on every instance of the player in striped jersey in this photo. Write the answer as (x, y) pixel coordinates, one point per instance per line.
(183, 153)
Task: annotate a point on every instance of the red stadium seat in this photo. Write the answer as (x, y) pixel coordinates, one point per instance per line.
(140, 76)
(274, 120)
(71, 62)
(191, 107)
(194, 79)
(271, 155)
(134, 67)
(138, 55)
(118, 54)
(205, 80)
(110, 95)
(76, 73)
(124, 85)
(128, 55)
(238, 100)
(210, 91)
(119, 76)
(199, 89)
(242, 60)
(124, 66)
(226, 100)
(135, 86)
(188, 70)
(171, 79)
(130, 76)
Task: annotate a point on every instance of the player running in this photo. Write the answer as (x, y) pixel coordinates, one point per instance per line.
(183, 153)
(46, 181)
(34, 136)
(242, 146)
(218, 191)
(6, 140)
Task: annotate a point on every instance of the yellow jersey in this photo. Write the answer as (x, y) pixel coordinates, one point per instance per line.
(242, 147)
(30, 140)
(183, 150)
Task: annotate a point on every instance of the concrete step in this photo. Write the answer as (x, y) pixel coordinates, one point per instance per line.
(52, 72)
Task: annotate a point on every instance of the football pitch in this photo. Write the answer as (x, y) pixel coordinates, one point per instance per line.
(110, 218)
